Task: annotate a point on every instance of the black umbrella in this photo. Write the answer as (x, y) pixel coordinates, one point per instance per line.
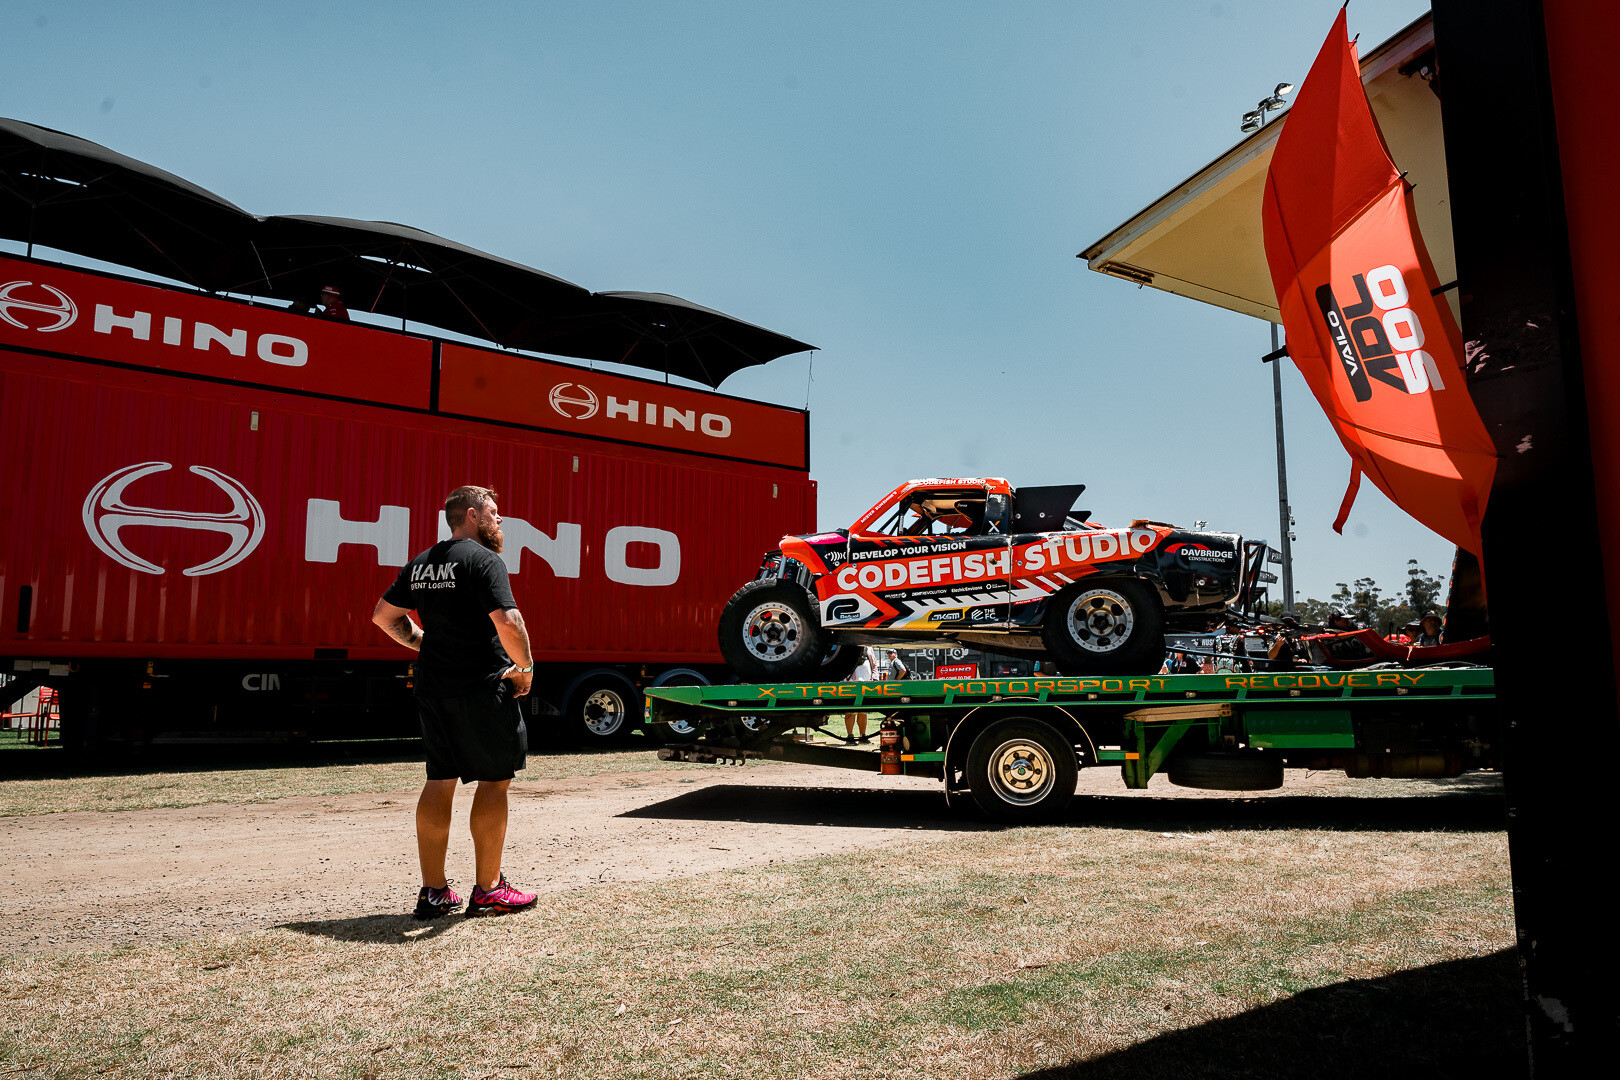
(661, 332)
(397, 270)
(68, 193)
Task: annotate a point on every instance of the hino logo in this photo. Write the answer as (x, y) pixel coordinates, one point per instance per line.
(577, 401)
(271, 348)
(574, 400)
(64, 309)
(106, 512)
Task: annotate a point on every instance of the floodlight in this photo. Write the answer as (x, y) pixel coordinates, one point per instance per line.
(1283, 88)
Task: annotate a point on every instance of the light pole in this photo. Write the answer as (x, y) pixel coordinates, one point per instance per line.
(1254, 120)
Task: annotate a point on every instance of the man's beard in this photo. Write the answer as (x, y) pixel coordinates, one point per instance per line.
(490, 535)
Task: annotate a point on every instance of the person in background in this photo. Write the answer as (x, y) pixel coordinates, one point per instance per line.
(864, 672)
(1430, 632)
(328, 305)
(896, 668)
(332, 306)
(1340, 623)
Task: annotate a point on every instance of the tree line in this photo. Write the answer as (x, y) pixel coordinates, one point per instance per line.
(1365, 601)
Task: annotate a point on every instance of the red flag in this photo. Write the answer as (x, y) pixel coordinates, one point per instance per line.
(1355, 287)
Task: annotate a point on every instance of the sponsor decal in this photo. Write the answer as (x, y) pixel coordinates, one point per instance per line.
(1075, 548)
(1067, 550)
(106, 514)
(845, 609)
(1379, 337)
(1200, 552)
(945, 616)
(956, 671)
(982, 614)
(938, 570)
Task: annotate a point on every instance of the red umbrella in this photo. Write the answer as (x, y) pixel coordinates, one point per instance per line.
(1355, 287)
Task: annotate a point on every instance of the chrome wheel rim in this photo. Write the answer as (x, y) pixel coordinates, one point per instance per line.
(773, 632)
(1022, 772)
(604, 712)
(1100, 620)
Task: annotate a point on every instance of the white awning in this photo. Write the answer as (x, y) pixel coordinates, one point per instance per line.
(1203, 238)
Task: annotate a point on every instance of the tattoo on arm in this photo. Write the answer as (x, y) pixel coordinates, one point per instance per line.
(406, 632)
(514, 635)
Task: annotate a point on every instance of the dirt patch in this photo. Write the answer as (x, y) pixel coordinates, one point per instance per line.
(94, 880)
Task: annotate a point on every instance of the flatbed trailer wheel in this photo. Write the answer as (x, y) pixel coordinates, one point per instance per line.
(1022, 771)
(676, 731)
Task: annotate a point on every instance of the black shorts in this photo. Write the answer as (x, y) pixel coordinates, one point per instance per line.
(478, 737)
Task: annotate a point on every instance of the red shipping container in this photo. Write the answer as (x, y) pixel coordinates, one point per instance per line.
(161, 516)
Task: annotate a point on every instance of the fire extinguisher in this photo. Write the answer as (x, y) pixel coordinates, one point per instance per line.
(889, 749)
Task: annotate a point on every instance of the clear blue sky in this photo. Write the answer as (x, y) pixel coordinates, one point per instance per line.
(903, 184)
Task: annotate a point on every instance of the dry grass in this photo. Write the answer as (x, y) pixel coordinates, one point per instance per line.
(972, 955)
(193, 787)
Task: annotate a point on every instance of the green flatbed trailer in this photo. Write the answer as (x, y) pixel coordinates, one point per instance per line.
(1016, 745)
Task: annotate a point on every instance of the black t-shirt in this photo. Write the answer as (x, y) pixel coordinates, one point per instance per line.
(453, 586)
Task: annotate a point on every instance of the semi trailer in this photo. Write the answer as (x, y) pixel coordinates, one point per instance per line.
(207, 495)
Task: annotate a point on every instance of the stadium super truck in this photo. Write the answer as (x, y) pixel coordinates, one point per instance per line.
(207, 495)
(973, 561)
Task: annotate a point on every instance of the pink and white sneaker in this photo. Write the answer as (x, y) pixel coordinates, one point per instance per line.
(431, 903)
(501, 900)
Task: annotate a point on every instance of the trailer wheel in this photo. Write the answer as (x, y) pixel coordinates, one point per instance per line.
(769, 632)
(1110, 627)
(679, 731)
(603, 710)
(1249, 771)
(1022, 771)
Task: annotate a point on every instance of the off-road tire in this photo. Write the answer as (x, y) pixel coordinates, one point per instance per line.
(1107, 626)
(1022, 771)
(842, 660)
(770, 631)
(1251, 770)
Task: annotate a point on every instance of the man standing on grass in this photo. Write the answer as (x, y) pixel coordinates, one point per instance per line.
(467, 686)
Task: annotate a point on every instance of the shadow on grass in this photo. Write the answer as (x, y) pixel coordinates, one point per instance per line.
(377, 929)
(1457, 1019)
(846, 807)
(1469, 808)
